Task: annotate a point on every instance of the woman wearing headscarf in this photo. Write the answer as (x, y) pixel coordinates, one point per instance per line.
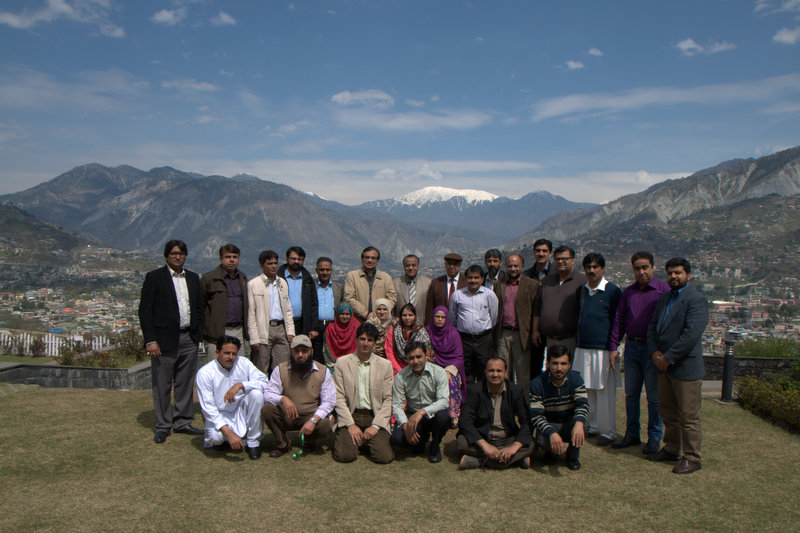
(449, 354)
(340, 335)
(382, 318)
(399, 335)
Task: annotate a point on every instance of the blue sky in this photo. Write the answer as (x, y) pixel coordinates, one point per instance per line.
(359, 100)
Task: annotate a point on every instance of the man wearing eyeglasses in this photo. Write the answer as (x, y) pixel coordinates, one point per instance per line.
(171, 317)
(364, 286)
(555, 310)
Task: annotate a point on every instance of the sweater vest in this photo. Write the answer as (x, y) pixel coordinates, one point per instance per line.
(305, 393)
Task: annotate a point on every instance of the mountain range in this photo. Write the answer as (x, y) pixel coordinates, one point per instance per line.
(478, 215)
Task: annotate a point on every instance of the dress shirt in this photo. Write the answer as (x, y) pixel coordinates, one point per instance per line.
(362, 400)
(413, 392)
(473, 313)
(275, 312)
(325, 310)
(600, 287)
(673, 297)
(182, 294)
(510, 304)
(636, 308)
(233, 316)
(213, 381)
(327, 393)
(295, 293)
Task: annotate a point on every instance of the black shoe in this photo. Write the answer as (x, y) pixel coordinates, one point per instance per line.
(160, 436)
(254, 452)
(574, 464)
(188, 430)
(651, 447)
(434, 454)
(627, 441)
(663, 455)
(225, 446)
(550, 458)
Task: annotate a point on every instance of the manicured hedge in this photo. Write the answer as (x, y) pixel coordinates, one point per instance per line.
(776, 398)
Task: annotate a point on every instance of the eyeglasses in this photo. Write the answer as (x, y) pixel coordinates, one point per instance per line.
(370, 257)
(564, 259)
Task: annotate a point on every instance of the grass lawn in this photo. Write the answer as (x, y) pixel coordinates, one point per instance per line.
(85, 460)
(25, 360)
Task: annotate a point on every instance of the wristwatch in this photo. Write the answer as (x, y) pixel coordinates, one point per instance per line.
(314, 420)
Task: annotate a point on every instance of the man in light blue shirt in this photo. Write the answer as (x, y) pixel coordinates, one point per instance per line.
(420, 397)
(329, 295)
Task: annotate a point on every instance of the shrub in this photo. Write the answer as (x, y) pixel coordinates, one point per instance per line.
(38, 347)
(768, 347)
(130, 344)
(773, 398)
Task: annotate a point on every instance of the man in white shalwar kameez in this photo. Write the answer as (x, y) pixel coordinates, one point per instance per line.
(231, 393)
(598, 300)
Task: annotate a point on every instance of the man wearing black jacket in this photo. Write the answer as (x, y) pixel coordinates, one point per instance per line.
(302, 292)
(494, 430)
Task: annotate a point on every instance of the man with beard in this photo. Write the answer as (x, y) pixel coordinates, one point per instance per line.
(674, 340)
(494, 427)
(492, 260)
(225, 297)
(302, 292)
(230, 390)
(300, 396)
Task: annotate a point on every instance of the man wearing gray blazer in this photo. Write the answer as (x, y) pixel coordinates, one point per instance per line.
(674, 340)
(363, 401)
(412, 284)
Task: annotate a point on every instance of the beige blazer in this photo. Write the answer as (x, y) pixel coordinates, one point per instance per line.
(258, 311)
(401, 288)
(381, 378)
(356, 291)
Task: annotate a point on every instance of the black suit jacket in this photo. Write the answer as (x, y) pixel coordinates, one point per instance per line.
(308, 297)
(478, 413)
(158, 309)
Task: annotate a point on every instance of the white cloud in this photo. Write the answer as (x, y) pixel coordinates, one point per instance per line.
(689, 47)
(95, 13)
(479, 40)
(413, 121)
(435, 98)
(371, 98)
(769, 7)
(190, 84)
(595, 52)
(415, 172)
(223, 19)
(582, 104)
(574, 65)
(415, 103)
(169, 17)
(787, 36)
(91, 91)
(205, 119)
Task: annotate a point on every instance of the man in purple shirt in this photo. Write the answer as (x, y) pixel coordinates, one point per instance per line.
(634, 312)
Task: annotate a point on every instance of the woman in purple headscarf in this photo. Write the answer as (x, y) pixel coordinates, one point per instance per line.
(448, 353)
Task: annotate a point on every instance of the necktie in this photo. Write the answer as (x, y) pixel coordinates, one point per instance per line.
(412, 292)
(451, 291)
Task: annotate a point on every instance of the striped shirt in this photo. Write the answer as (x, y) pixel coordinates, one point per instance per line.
(549, 403)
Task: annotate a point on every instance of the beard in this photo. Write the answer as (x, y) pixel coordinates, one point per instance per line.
(294, 267)
(302, 368)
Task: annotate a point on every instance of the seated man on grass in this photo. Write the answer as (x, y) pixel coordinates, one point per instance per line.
(493, 428)
(420, 397)
(300, 396)
(230, 390)
(559, 408)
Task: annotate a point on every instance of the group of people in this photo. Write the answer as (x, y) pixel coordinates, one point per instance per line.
(393, 363)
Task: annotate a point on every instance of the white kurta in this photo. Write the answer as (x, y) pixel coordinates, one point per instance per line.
(243, 415)
(601, 385)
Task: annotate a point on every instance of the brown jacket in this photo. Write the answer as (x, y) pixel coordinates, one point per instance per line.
(437, 294)
(381, 377)
(215, 303)
(526, 294)
(356, 291)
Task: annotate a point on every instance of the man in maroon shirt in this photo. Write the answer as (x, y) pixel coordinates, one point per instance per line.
(634, 312)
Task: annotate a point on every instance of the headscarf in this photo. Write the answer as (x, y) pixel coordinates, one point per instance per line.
(447, 348)
(382, 325)
(402, 336)
(340, 339)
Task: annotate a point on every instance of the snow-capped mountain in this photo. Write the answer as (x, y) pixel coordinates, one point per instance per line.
(479, 215)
